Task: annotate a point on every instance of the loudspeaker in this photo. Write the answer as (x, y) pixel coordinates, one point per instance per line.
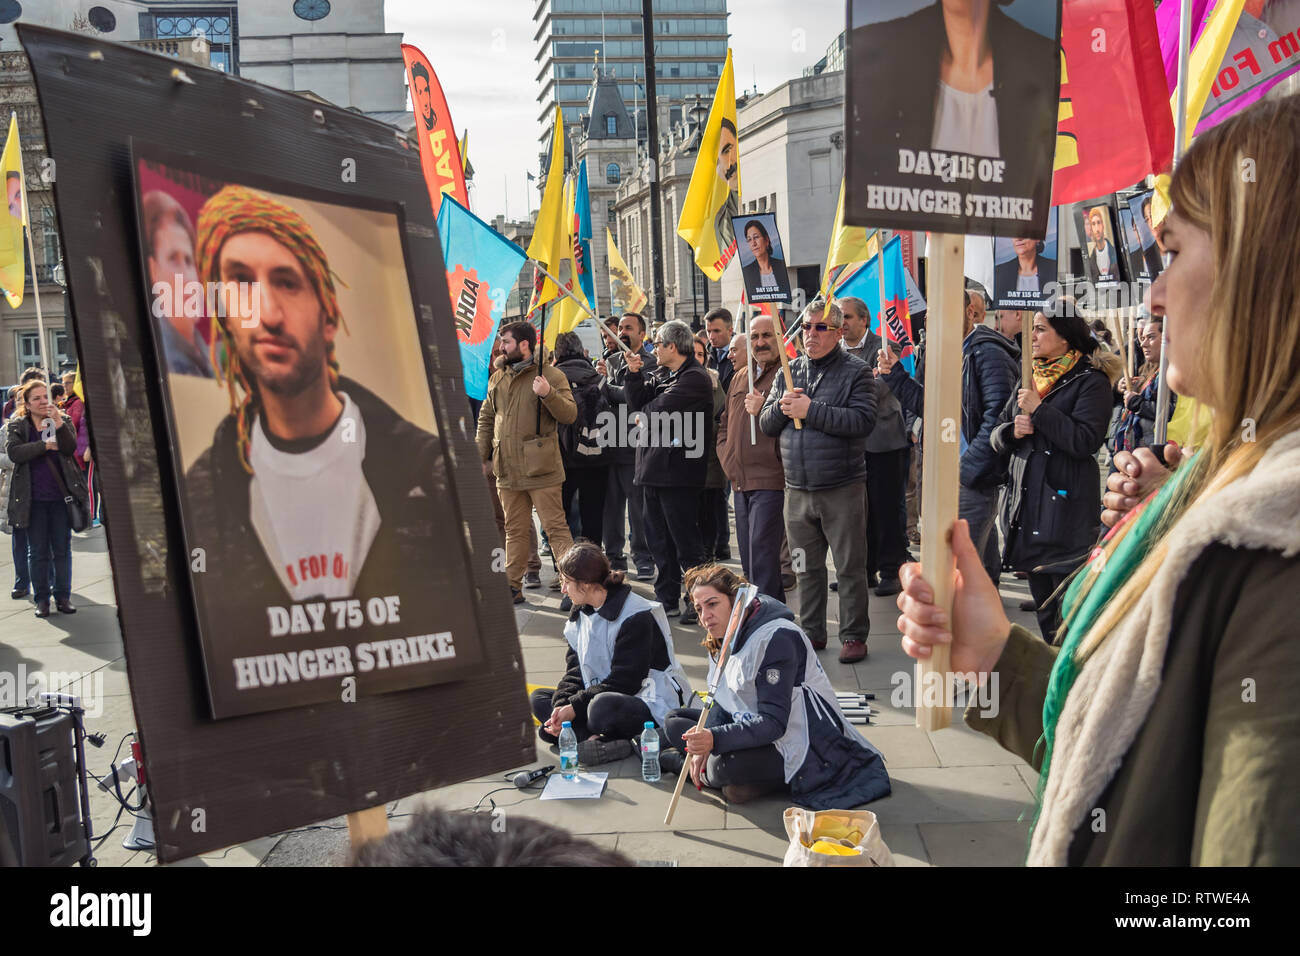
(40, 811)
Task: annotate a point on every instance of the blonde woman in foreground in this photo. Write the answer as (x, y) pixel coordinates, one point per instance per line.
(1164, 723)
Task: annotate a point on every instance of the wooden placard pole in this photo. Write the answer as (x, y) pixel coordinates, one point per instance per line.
(367, 825)
(749, 366)
(940, 465)
(785, 359)
(1026, 351)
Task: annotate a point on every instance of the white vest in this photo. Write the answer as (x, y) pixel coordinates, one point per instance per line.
(592, 639)
(737, 693)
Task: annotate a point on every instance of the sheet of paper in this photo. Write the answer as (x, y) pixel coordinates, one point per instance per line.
(583, 786)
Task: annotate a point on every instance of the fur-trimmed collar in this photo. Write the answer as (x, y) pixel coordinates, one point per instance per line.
(1114, 691)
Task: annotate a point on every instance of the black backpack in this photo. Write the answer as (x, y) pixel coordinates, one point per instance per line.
(580, 442)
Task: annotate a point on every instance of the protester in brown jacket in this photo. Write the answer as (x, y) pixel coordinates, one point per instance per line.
(754, 468)
(518, 443)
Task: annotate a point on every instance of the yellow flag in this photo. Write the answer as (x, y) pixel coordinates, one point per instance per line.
(713, 196)
(11, 228)
(546, 245)
(77, 387)
(1203, 66)
(568, 313)
(848, 243)
(622, 287)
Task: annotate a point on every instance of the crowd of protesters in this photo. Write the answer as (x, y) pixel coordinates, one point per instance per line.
(663, 447)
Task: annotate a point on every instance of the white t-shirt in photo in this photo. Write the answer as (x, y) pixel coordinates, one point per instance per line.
(312, 511)
(966, 122)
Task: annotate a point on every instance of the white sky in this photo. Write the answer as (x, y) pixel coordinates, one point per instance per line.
(483, 53)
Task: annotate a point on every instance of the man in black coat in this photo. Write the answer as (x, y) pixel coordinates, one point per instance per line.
(834, 397)
(990, 371)
(624, 502)
(671, 457)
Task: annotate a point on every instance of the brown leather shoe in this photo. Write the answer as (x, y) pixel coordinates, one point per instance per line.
(818, 645)
(853, 651)
(42, 608)
(65, 607)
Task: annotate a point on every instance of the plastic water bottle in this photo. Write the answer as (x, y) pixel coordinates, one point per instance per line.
(568, 751)
(649, 753)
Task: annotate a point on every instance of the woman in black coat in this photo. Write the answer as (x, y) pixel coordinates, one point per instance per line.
(1052, 433)
(41, 443)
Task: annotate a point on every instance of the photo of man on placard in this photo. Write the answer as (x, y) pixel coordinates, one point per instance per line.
(1152, 263)
(762, 262)
(728, 169)
(309, 501)
(1101, 262)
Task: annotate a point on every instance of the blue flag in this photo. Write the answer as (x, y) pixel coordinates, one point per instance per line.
(895, 324)
(482, 266)
(582, 212)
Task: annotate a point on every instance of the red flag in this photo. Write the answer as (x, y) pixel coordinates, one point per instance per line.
(1115, 125)
(439, 149)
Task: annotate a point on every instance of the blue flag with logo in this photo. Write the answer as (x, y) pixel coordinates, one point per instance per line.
(482, 267)
(895, 325)
(582, 211)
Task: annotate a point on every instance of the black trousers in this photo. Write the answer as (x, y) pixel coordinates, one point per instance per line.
(711, 530)
(887, 512)
(622, 497)
(672, 524)
(723, 541)
(612, 715)
(755, 765)
(1041, 587)
(589, 486)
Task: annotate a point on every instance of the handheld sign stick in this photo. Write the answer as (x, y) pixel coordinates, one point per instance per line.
(745, 596)
(940, 465)
(749, 360)
(1026, 351)
(785, 359)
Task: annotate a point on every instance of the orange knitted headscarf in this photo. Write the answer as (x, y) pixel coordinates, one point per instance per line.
(237, 209)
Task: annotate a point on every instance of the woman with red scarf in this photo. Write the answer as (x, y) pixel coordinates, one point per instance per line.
(1052, 433)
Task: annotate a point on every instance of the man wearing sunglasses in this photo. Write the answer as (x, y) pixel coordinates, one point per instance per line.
(834, 397)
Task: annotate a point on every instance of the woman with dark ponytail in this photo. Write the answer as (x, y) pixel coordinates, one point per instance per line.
(1052, 432)
(620, 669)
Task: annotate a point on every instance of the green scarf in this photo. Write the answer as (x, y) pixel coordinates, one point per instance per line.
(1127, 555)
(1048, 371)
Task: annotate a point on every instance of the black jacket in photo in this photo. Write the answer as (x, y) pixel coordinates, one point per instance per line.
(752, 279)
(830, 450)
(1024, 88)
(675, 402)
(1052, 509)
(406, 472)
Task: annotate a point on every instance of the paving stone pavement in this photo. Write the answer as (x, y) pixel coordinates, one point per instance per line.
(958, 798)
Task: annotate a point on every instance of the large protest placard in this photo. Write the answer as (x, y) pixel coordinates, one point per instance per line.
(1024, 270)
(351, 287)
(1147, 257)
(309, 472)
(950, 125)
(762, 258)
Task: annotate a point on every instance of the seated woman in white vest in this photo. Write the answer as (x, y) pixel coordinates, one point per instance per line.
(620, 669)
(775, 725)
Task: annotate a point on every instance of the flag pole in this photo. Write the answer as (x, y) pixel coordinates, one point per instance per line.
(560, 285)
(36, 290)
(1180, 138)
